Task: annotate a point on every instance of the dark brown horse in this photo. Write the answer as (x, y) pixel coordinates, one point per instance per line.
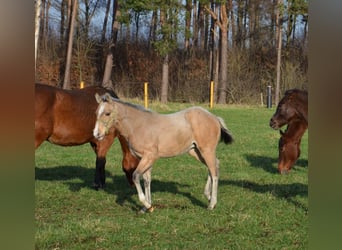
(67, 118)
(289, 145)
(294, 105)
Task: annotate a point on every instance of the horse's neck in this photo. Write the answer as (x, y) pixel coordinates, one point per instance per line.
(296, 131)
(129, 119)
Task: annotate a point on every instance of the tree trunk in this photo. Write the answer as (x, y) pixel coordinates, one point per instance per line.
(222, 22)
(165, 80)
(165, 68)
(62, 24)
(279, 41)
(46, 24)
(153, 28)
(36, 31)
(187, 30)
(232, 23)
(222, 95)
(105, 21)
(106, 82)
(66, 83)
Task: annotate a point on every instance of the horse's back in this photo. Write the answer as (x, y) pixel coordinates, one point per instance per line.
(65, 117)
(205, 126)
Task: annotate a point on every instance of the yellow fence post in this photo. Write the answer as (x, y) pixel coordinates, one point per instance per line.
(81, 85)
(211, 94)
(146, 94)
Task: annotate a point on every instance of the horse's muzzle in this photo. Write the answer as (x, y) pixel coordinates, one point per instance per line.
(98, 136)
(274, 124)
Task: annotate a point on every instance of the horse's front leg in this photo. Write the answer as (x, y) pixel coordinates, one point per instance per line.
(143, 169)
(147, 184)
(100, 175)
(101, 148)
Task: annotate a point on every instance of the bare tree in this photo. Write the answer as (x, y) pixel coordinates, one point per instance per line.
(106, 82)
(105, 21)
(221, 20)
(66, 83)
(37, 28)
(279, 43)
(187, 32)
(90, 7)
(165, 69)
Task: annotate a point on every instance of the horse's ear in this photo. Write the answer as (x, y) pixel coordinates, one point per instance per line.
(107, 97)
(98, 98)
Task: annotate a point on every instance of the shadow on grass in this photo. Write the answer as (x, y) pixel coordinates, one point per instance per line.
(281, 191)
(270, 164)
(120, 186)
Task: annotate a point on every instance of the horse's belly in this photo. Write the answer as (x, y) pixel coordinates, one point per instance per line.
(70, 137)
(175, 145)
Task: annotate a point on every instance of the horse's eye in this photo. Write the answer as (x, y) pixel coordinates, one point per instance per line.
(107, 114)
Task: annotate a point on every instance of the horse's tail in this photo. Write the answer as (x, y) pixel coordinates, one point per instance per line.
(226, 135)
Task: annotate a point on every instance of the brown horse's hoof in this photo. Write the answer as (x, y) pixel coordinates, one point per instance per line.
(98, 186)
(284, 172)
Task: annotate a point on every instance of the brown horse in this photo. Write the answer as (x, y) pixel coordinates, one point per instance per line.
(152, 136)
(67, 118)
(289, 145)
(294, 105)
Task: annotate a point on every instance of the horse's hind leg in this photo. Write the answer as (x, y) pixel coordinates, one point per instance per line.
(211, 186)
(209, 159)
(208, 187)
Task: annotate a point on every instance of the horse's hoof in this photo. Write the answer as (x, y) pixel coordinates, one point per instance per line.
(211, 207)
(148, 210)
(98, 186)
(284, 172)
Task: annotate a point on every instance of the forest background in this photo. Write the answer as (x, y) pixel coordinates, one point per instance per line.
(177, 46)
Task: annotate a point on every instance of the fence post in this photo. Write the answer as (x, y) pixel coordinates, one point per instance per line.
(211, 94)
(146, 94)
(269, 97)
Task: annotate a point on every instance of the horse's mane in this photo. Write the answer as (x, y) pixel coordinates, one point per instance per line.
(135, 106)
(300, 93)
(110, 91)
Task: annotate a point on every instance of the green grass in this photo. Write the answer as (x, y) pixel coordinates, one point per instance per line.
(257, 208)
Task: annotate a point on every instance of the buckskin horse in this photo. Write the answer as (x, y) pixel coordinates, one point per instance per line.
(151, 136)
(67, 118)
(293, 111)
(289, 145)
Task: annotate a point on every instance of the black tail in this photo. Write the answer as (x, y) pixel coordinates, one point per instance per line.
(226, 135)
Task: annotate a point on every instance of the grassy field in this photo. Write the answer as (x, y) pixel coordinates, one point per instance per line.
(257, 208)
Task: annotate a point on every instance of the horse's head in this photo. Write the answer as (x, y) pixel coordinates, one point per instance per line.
(286, 111)
(289, 152)
(105, 115)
